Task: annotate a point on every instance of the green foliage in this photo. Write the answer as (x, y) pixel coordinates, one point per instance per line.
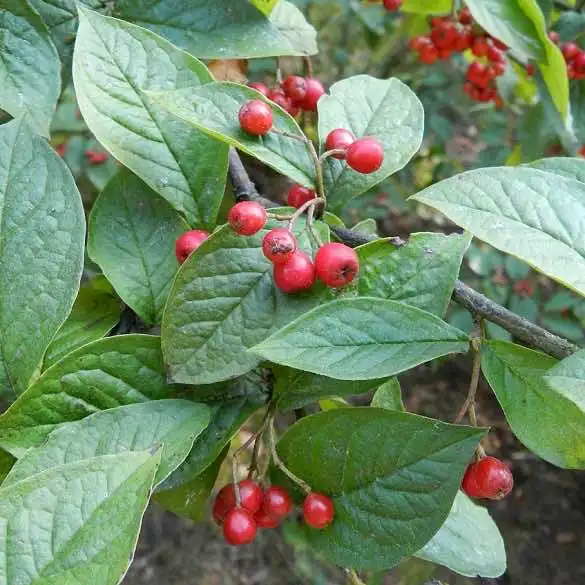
(389, 396)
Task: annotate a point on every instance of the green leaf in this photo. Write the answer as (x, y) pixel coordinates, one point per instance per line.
(171, 425)
(468, 543)
(214, 109)
(384, 108)
(296, 388)
(220, 30)
(30, 70)
(293, 26)
(554, 75)
(570, 168)
(534, 215)
(361, 339)
(427, 6)
(75, 524)
(548, 422)
(578, 108)
(132, 233)
(421, 272)
(114, 62)
(389, 396)
(570, 25)
(95, 312)
(568, 378)
(265, 6)
(105, 374)
(42, 232)
(6, 463)
(222, 303)
(367, 226)
(386, 507)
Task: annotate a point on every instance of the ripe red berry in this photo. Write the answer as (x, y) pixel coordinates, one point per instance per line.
(247, 217)
(497, 69)
(530, 69)
(365, 155)
(336, 264)
(263, 520)
(495, 55)
(313, 91)
(61, 149)
(499, 45)
(428, 54)
(444, 36)
(416, 43)
(299, 195)
(392, 5)
(278, 97)
(479, 74)
(296, 275)
(255, 117)
(582, 152)
(295, 87)
(465, 16)
(263, 89)
(488, 478)
(188, 242)
(579, 63)
(95, 158)
(225, 501)
(278, 245)
(570, 51)
(480, 47)
(318, 510)
(277, 502)
(339, 139)
(239, 527)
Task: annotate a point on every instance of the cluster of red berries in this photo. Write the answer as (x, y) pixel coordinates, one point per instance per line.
(489, 478)
(574, 56)
(295, 94)
(264, 509)
(335, 264)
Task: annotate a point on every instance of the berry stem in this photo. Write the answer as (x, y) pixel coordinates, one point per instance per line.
(311, 225)
(309, 66)
(278, 462)
(311, 203)
(353, 577)
(332, 152)
(279, 71)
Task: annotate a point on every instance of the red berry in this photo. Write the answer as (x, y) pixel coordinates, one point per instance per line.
(247, 217)
(479, 74)
(259, 87)
(299, 195)
(480, 47)
(255, 117)
(318, 510)
(339, 139)
(464, 41)
(225, 501)
(239, 527)
(570, 51)
(392, 5)
(95, 158)
(428, 54)
(495, 55)
(416, 43)
(497, 69)
(336, 264)
(314, 90)
(61, 149)
(188, 243)
(499, 45)
(365, 155)
(277, 503)
(263, 520)
(488, 478)
(444, 36)
(582, 152)
(579, 63)
(530, 69)
(278, 97)
(554, 36)
(278, 245)
(296, 275)
(465, 16)
(295, 88)
(445, 54)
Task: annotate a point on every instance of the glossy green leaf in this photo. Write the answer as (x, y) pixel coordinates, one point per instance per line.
(386, 508)
(384, 108)
(534, 215)
(105, 374)
(114, 62)
(554, 75)
(75, 524)
(30, 70)
(42, 231)
(468, 543)
(570, 168)
(421, 272)
(265, 6)
(95, 312)
(578, 108)
(222, 303)
(293, 26)
(568, 378)
(171, 425)
(389, 396)
(6, 463)
(367, 226)
(362, 339)
(214, 109)
(427, 6)
(132, 233)
(570, 24)
(547, 421)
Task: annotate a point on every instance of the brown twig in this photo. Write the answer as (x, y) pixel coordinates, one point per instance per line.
(475, 341)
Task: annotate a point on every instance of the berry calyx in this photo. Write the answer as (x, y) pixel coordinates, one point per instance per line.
(295, 88)
(239, 527)
(188, 242)
(313, 91)
(488, 478)
(336, 264)
(278, 245)
(225, 501)
(295, 275)
(365, 155)
(247, 217)
(263, 520)
(339, 139)
(392, 5)
(255, 118)
(318, 510)
(299, 195)
(276, 503)
(263, 89)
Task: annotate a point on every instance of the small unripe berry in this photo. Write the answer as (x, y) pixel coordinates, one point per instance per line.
(277, 502)
(263, 89)
(339, 139)
(247, 217)
(188, 242)
(336, 264)
(255, 117)
(299, 195)
(488, 478)
(296, 275)
(239, 527)
(225, 501)
(365, 155)
(278, 245)
(295, 88)
(313, 91)
(318, 510)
